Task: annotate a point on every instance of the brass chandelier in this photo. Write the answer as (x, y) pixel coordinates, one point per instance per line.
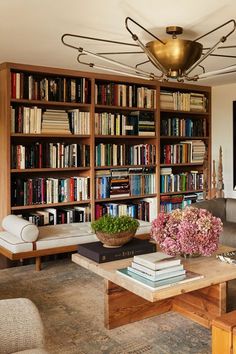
(172, 59)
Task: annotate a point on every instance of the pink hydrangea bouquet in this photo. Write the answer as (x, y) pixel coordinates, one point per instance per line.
(190, 231)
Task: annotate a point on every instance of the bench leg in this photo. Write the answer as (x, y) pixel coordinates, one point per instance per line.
(38, 263)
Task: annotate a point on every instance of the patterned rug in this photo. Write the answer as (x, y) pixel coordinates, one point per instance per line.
(70, 300)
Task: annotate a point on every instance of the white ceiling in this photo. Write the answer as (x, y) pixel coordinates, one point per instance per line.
(30, 30)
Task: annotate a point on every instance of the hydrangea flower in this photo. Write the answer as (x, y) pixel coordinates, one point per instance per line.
(188, 231)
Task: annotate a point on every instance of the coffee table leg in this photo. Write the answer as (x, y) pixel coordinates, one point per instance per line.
(203, 305)
(123, 307)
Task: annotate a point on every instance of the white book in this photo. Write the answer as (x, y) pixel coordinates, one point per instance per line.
(154, 273)
(157, 260)
(160, 284)
(157, 276)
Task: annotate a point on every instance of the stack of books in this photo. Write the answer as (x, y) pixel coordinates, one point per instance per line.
(158, 270)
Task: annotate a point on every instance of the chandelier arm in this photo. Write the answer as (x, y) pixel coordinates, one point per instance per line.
(223, 47)
(227, 70)
(112, 53)
(138, 72)
(92, 39)
(137, 24)
(204, 56)
(142, 63)
(223, 55)
(215, 29)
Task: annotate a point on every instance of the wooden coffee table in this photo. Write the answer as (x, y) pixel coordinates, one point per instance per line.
(201, 300)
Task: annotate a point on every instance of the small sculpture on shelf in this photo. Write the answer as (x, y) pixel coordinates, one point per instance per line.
(217, 190)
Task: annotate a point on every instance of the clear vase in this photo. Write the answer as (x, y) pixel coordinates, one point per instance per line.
(187, 255)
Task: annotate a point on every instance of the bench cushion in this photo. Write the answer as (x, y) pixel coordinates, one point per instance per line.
(13, 244)
(64, 235)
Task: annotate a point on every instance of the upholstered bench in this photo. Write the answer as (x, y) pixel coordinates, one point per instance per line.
(21, 239)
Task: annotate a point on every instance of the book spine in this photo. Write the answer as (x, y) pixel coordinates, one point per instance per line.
(103, 258)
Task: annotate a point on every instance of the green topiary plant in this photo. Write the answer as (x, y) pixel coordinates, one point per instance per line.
(115, 224)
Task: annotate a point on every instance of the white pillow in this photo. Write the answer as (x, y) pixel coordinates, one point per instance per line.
(21, 228)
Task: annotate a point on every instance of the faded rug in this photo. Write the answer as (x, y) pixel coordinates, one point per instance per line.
(70, 300)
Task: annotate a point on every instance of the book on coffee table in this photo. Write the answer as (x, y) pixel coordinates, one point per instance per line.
(160, 284)
(100, 254)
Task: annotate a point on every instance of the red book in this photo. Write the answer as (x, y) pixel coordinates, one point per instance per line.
(13, 85)
(72, 189)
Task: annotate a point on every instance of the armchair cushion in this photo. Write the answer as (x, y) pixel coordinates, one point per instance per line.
(21, 327)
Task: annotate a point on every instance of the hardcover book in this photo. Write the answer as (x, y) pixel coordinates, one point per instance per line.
(155, 273)
(157, 276)
(160, 284)
(100, 254)
(157, 260)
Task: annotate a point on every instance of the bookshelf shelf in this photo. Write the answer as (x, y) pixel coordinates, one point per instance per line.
(182, 192)
(140, 137)
(37, 206)
(125, 198)
(121, 108)
(43, 170)
(65, 105)
(163, 137)
(134, 111)
(122, 166)
(194, 113)
(49, 135)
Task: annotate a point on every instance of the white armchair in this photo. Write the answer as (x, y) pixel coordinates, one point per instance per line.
(21, 328)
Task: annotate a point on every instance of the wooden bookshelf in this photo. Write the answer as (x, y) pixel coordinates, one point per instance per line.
(150, 104)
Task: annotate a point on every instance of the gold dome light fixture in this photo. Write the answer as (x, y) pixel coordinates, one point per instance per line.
(174, 58)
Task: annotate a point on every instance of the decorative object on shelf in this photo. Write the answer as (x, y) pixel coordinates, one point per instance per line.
(115, 231)
(174, 58)
(189, 231)
(205, 175)
(220, 184)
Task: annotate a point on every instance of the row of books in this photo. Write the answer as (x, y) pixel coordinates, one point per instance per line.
(122, 154)
(125, 182)
(61, 89)
(189, 151)
(50, 155)
(182, 182)
(41, 190)
(157, 270)
(54, 216)
(136, 123)
(137, 209)
(179, 201)
(183, 127)
(34, 120)
(125, 95)
(183, 101)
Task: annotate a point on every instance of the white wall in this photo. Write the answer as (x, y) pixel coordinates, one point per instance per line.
(222, 132)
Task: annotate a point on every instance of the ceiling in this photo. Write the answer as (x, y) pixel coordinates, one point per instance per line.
(30, 30)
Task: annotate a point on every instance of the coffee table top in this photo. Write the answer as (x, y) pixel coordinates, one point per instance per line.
(213, 269)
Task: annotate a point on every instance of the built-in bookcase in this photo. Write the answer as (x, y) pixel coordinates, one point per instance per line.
(77, 145)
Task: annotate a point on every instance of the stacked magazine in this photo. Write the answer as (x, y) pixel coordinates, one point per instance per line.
(157, 270)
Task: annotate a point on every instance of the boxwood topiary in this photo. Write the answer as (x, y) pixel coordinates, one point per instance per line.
(114, 224)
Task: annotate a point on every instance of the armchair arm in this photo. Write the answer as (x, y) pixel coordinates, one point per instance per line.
(21, 327)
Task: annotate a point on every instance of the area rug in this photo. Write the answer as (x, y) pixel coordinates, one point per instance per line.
(70, 300)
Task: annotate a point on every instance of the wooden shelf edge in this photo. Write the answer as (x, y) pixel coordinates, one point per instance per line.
(52, 205)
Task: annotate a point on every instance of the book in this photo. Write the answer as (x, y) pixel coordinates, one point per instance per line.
(161, 284)
(157, 260)
(100, 254)
(157, 276)
(154, 273)
(228, 257)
